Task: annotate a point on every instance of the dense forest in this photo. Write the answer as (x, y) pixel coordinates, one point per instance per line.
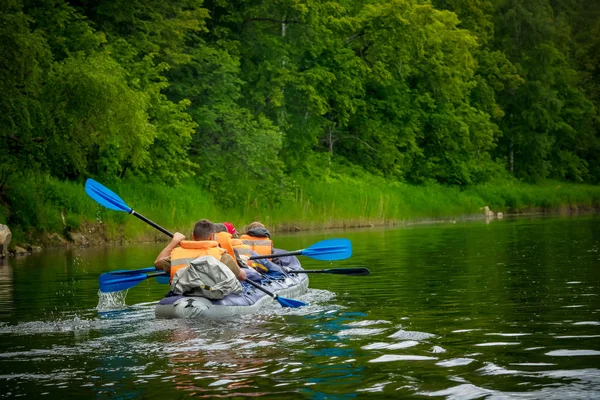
(245, 96)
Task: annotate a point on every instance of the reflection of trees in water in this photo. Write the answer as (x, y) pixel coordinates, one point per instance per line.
(201, 357)
(6, 287)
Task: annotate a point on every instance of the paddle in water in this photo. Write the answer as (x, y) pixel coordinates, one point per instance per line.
(111, 282)
(127, 278)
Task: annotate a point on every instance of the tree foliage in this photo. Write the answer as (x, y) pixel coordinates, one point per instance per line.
(243, 95)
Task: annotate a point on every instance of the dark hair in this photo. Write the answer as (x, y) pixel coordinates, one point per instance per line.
(203, 229)
(220, 227)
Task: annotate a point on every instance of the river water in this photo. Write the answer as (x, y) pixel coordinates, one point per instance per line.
(506, 309)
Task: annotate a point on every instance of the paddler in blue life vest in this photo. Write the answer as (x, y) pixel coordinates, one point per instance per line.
(180, 252)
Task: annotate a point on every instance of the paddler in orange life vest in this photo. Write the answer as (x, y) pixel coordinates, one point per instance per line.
(258, 238)
(242, 250)
(224, 235)
(180, 252)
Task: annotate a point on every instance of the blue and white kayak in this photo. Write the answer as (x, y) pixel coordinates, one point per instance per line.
(248, 302)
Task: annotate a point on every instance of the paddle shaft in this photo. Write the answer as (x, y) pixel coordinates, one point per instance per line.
(337, 271)
(156, 274)
(281, 300)
(151, 223)
(286, 254)
(262, 289)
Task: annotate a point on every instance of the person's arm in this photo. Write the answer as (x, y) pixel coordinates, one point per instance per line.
(238, 259)
(165, 254)
(233, 266)
(163, 264)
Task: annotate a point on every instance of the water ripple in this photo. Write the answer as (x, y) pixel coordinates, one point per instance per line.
(368, 322)
(410, 329)
(496, 344)
(576, 336)
(465, 391)
(390, 346)
(411, 335)
(401, 357)
(572, 353)
(360, 332)
(455, 362)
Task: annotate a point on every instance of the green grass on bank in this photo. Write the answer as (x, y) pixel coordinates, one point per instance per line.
(38, 206)
(344, 204)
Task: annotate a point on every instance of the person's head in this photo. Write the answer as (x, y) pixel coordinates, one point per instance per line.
(220, 227)
(254, 225)
(230, 227)
(203, 230)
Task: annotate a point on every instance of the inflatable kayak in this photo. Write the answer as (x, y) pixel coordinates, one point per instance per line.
(248, 302)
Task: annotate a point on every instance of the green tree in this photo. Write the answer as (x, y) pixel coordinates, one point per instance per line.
(549, 114)
(147, 39)
(418, 56)
(232, 148)
(25, 56)
(95, 124)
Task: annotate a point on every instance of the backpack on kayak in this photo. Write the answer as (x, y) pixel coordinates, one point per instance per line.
(205, 277)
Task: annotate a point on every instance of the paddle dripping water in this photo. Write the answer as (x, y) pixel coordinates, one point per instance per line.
(505, 310)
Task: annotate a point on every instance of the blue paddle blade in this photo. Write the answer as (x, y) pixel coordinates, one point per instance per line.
(290, 302)
(132, 272)
(329, 250)
(114, 283)
(105, 196)
(163, 279)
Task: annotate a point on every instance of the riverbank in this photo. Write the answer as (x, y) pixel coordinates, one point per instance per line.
(50, 213)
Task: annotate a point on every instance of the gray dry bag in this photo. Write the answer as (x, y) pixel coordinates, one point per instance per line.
(205, 277)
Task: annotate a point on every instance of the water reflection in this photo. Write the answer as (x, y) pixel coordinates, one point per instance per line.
(224, 357)
(6, 287)
(504, 310)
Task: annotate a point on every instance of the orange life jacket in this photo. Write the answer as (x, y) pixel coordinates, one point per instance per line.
(261, 245)
(224, 239)
(245, 252)
(237, 242)
(241, 248)
(189, 250)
